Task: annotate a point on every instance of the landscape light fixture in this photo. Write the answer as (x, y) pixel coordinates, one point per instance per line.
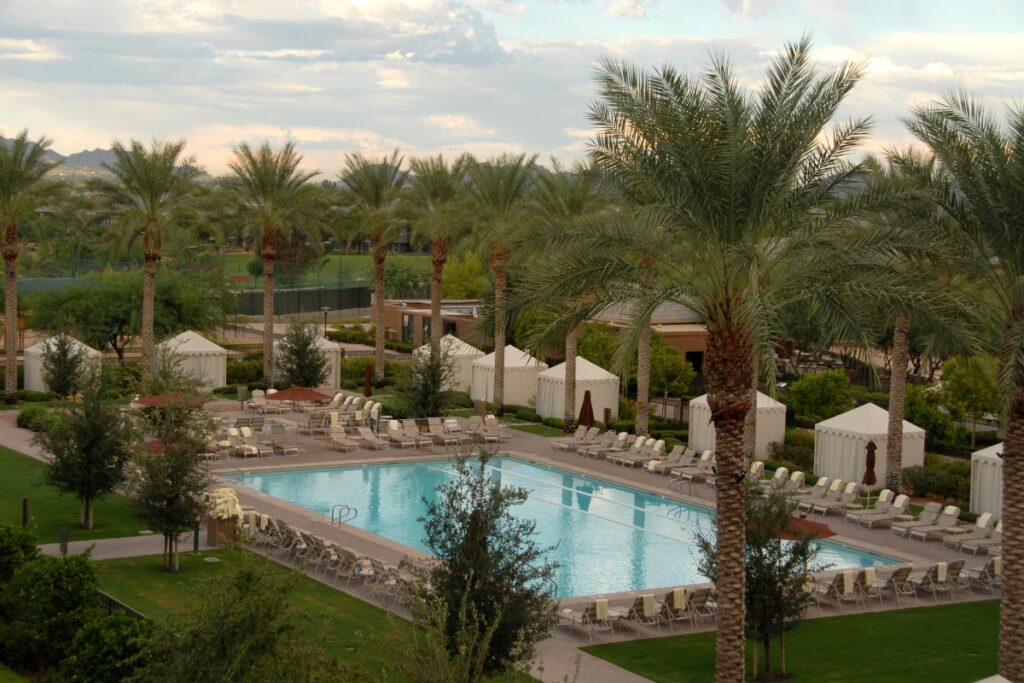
(325, 309)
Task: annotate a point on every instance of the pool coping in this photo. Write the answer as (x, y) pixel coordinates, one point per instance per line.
(902, 558)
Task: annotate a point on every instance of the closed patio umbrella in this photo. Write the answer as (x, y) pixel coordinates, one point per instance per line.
(869, 479)
(587, 411)
(298, 394)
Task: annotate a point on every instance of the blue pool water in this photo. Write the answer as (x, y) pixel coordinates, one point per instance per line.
(609, 538)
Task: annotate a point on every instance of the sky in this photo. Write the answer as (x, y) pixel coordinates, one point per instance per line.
(447, 76)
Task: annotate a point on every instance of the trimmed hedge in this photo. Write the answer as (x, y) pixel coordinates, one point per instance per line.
(37, 419)
(244, 371)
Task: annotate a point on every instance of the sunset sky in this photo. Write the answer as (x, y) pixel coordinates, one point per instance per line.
(428, 76)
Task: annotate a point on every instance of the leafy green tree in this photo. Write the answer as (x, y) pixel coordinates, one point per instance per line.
(63, 366)
(597, 344)
(670, 373)
(150, 196)
(105, 649)
(243, 630)
(23, 164)
(489, 570)
(17, 546)
(373, 191)
(424, 390)
(924, 409)
(44, 605)
(465, 277)
(274, 198)
(776, 570)
(432, 659)
(300, 360)
(969, 389)
(89, 447)
(821, 396)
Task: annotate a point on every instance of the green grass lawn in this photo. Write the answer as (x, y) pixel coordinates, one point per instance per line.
(22, 476)
(949, 643)
(343, 267)
(539, 430)
(8, 676)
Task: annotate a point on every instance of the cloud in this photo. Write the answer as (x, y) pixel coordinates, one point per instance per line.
(631, 9)
(749, 8)
(28, 50)
(458, 124)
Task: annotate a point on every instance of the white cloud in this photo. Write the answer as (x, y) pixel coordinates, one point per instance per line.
(392, 79)
(458, 124)
(28, 50)
(632, 9)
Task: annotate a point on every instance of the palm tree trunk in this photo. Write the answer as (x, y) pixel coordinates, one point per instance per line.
(897, 392)
(1011, 621)
(268, 316)
(148, 296)
(498, 255)
(570, 378)
(10, 311)
(643, 378)
(750, 422)
(380, 254)
(728, 377)
(438, 257)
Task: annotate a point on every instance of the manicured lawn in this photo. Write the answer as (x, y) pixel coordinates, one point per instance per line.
(343, 267)
(539, 430)
(948, 643)
(352, 630)
(22, 476)
(8, 676)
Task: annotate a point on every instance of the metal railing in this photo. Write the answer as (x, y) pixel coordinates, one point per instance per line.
(112, 604)
(343, 514)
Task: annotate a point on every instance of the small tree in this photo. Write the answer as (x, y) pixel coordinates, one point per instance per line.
(597, 344)
(89, 447)
(17, 546)
(465, 277)
(300, 361)
(425, 392)
(670, 373)
(969, 389)
(491, 573)
(63, 365)
(105, 648)
(242, 630)
(776, 571)
(819, 397)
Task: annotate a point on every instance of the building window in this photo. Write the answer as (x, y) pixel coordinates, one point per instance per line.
(449, 327)
(406, 328)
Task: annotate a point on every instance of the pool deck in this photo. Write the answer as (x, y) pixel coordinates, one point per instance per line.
(559, 656)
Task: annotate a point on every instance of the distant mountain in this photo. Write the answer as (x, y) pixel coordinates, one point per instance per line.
(91, 159)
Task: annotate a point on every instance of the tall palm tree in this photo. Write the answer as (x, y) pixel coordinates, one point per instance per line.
(23, 164)
(150, 197)
(746, 183)
(274, 194)
(984, 164)
(373, 190)
(497, 192)
(560, 198)
(432, 199)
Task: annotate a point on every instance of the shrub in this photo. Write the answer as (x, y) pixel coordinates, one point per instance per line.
(33, 418)
(819, 397)
(104, 649)
(30, 396)
(460, 399)
(351, 384)
(922, 409)
(229, 390)
(798, 449)
(244, 371)
(353, 335)
(300, 361)
(555, 422)
(63, 366)
(527, 415)
(950, 483)
(122, 379)
(17, 547)
(676, 435)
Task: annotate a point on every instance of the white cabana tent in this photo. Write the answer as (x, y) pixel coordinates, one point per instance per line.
(987, 480)
(34, 361)
(840, 444)
(603, 387)
(331, 350)
(521, 370)
(200, 357)
(771, 425)
(461, 355)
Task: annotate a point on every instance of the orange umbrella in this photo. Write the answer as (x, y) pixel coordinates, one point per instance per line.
(298, 394)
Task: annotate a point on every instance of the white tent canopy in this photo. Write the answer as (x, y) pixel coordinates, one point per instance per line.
(840, 444)
(521, 370)
(331, 350)
(34, 361)
(461, 355)
(771, 425)
(200, 357)
(603, 387)
(987, 480)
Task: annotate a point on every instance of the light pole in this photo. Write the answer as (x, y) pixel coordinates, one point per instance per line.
(325, 309)
(359, 294)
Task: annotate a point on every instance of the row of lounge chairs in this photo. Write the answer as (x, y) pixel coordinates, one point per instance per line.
(678, 605)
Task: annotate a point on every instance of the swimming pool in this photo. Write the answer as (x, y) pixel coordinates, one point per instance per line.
(609, 538)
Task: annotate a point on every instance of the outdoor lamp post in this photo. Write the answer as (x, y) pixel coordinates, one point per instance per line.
(360, 281)
(325, 309)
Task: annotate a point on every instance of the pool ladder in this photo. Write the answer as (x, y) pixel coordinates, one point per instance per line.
(342, 514)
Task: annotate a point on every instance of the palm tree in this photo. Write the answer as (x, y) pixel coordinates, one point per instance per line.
(984, 165)
(273, 193)
(561, 198)
(432, 198)
(373, 191)
(150, 197)
(746, 185)
(497, 191)
(23, 164)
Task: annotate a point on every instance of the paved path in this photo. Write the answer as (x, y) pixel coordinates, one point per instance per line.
(129, 546)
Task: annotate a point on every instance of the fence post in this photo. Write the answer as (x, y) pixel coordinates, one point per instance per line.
(195, 539)
(24, 513)
(63, 540)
